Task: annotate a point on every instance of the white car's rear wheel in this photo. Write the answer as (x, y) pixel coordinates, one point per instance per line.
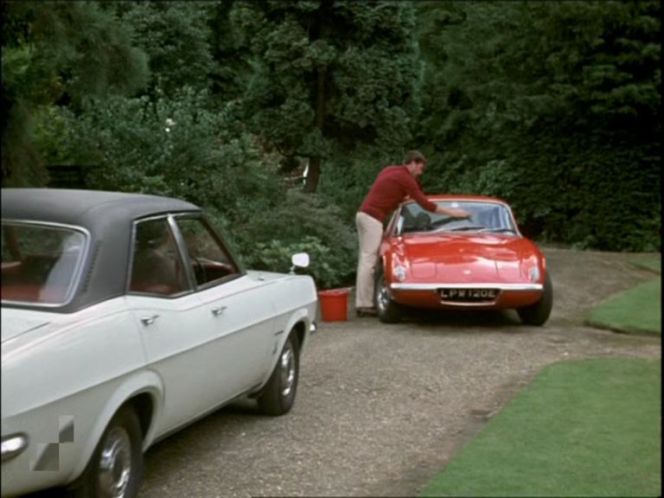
(278, 395)
(116, 467)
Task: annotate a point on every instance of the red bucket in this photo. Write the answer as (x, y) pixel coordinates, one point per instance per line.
(334, 305)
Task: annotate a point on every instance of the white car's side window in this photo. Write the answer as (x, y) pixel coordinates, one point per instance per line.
(211, 262)
(156, 265)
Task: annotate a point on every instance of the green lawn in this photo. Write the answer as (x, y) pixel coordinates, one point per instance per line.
(637, 310)
(652, 263)
(582, 428)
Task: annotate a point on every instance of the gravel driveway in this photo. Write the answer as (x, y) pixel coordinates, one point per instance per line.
(381, 409)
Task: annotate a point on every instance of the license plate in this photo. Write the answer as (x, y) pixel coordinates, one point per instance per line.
(468, 295)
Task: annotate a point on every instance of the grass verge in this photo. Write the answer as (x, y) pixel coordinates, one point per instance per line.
(637, 310)
(582, 428)
(649, 263)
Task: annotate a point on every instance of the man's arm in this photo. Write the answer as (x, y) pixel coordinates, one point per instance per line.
(414, 192)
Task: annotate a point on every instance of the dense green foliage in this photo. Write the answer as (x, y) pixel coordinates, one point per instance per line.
(329, 76)
(176, 38)
(175, 147)
(554, 106)
(58, 52)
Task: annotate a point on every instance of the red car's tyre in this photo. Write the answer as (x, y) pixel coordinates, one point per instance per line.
(388, 310)
(538, 313)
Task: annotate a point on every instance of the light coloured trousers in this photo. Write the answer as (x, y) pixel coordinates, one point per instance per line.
(370, 233)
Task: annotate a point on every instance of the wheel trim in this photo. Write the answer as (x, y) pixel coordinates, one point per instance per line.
(382, 297)
(287, 370)
(115, 464)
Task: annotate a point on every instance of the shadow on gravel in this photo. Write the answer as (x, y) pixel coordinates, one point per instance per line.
(228, 422)
(452, 318)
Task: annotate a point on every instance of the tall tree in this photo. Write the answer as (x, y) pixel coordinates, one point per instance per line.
(554, 105)
(232, 68)
(177, 38)
(57, 52)
(329, 75)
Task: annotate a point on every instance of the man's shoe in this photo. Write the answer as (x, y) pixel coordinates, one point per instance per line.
(366, 312)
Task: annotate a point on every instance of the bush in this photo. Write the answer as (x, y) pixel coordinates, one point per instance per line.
(299, 222)
(179, 148)
(324, 267)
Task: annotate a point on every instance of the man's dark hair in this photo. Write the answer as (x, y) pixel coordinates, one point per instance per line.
(414, 155)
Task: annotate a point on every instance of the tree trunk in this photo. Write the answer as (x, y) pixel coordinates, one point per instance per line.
(313, 176)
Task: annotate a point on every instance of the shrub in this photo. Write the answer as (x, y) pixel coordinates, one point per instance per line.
(299, 222)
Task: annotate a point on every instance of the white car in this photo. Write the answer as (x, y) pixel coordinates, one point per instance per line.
(124, 318)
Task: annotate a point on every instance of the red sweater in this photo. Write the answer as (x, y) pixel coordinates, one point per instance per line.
(391, 187)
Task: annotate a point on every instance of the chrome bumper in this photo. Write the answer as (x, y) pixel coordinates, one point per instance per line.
(436, 287)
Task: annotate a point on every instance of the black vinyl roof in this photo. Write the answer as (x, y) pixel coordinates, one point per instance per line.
(108, 217)
(84, 207)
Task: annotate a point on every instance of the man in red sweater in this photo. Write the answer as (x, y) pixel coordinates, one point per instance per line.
(392, 186)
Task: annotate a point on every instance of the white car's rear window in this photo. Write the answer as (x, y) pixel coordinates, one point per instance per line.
(40, 263)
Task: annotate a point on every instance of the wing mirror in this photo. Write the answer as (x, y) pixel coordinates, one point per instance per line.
(299, 260)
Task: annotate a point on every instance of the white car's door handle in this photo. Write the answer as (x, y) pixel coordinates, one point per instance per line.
(218, 311)
(149, 320)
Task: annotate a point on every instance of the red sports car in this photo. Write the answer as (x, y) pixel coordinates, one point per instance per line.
(483, 262)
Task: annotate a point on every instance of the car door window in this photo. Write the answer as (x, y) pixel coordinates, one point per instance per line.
(156, 266)
(211, 261)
